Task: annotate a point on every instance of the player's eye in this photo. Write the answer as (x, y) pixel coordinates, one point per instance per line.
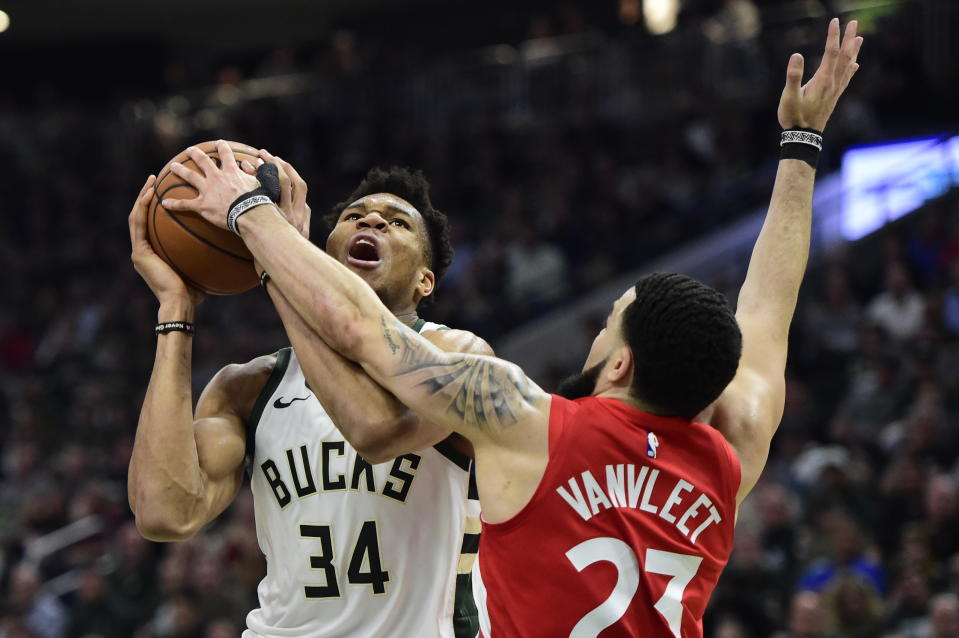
(400, 223)
(351, 216)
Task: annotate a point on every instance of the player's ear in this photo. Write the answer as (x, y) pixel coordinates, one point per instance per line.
(620, 366)
(426, 282)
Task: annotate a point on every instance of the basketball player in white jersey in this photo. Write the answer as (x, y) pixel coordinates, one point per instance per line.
(339, 531)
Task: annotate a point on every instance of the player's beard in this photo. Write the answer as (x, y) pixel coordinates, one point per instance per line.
(580, 385)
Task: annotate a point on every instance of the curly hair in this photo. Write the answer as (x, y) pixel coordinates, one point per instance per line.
(686, 343)
(413, 187)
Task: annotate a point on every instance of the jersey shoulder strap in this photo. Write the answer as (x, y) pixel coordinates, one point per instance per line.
(276, 376)
(422, 324)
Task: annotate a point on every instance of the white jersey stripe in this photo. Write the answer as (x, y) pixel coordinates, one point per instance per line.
(479, 596)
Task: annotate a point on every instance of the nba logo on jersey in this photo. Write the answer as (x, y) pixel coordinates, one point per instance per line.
(651, 444)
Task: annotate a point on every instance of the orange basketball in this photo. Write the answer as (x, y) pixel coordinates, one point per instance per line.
(209, 258)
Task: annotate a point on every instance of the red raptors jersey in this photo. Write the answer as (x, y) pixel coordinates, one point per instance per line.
(626, 535)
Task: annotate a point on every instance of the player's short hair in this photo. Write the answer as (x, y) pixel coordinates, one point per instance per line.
(413, 187)
(686, 343)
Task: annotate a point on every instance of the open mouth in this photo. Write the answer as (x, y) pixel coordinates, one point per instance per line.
(364, 253)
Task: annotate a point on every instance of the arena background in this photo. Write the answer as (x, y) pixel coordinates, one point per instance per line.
(574, 145)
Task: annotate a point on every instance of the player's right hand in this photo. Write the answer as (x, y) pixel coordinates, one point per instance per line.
(810, 105)
(165, 283)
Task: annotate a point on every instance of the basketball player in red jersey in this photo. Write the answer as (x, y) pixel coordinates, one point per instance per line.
(611, 514)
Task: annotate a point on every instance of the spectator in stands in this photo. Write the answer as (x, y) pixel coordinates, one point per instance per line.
(779, 530)
(13, 625)
(536, 271)
(833, 322)
(221, 628)
(848, 555)
(899, 309)
(854, 607)
(807, 617)
(176, 617)
(92, 614)
(43, 614)
(874, 398)
(909, 603)
(942, 515)
(731, 628)
(132, 584)
(950, 306)
(944, 616)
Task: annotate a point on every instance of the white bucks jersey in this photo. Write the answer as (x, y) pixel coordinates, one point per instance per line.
(355, 550)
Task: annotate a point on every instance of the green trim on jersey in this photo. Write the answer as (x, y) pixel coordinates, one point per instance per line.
(272, 383)
(420, 323)
(459, 459)
(465, 615)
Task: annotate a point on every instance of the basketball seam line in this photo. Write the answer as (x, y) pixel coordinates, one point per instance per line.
(162, 177)
(170, 262)
(159, 198)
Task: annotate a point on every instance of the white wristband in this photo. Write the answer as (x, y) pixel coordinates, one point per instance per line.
(801, 137)
(243, 206)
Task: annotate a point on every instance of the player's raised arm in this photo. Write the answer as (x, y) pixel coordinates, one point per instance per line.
(749, 411)
(185, 470)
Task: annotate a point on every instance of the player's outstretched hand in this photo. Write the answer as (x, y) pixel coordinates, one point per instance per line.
(165, 283)
(810, 105)
(218, 186)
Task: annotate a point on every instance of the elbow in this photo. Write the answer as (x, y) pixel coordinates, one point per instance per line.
(373, 448)
(162, 527)
(381, 441)
(347, 338)
(375, 455)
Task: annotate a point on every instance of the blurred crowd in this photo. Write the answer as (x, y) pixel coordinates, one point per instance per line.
(590, 160)
(853, 532)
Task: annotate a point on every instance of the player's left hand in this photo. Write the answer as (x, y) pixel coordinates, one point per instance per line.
(218, 187)
(810, 105)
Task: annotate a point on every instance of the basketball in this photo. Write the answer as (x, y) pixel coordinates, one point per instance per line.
(211, 259)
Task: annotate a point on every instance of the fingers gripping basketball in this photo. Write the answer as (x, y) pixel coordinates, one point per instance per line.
(209, 258)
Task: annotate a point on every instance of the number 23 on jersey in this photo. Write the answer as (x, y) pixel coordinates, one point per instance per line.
(680, 567)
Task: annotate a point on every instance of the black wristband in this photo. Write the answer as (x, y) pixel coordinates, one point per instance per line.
(264, 278)
(245, 203)
(173, 326)
(801, 144)
(269, 191)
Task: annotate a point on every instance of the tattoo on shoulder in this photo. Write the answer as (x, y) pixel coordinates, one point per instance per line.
(483, 393)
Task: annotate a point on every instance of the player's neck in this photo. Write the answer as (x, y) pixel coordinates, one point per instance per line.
(409, 317)
(624, 395)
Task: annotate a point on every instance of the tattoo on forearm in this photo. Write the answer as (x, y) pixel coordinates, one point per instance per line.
(480, 392)
(388, 335)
